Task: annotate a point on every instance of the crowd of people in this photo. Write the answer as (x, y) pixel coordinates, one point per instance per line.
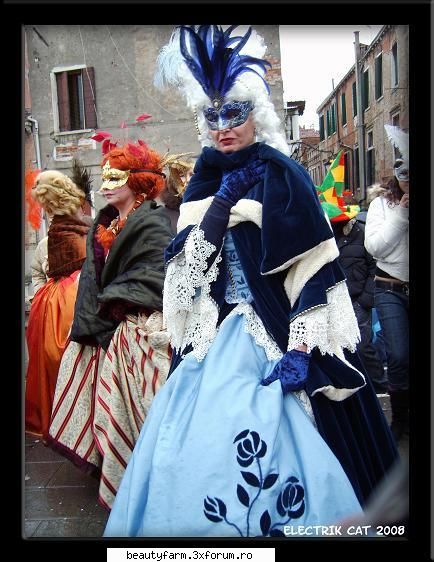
(203, 345)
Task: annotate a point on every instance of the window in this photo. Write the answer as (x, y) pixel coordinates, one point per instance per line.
(394, 64)
(75, 97)
(354, 98)
(343, 110)
(370, 159)
(321, 127)
(328, 122)
(378, 76)
(365, 89)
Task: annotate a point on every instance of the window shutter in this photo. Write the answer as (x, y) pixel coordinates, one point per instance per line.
(343, 109)
(365, 89)
(321, 127)
(63, 101)
(354, 99)
(88, 75)
(378, 77)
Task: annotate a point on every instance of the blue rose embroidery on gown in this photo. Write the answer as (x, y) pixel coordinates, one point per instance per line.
(290, 501)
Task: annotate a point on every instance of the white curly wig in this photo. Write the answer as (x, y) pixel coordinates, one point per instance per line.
(249, 86)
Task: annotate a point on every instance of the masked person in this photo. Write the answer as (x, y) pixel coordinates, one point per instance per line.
(357, 264)
(118, 355)
(52, 307)
(386, 238)
(263, 421)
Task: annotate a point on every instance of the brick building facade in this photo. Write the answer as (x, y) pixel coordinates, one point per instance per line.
(95, 77)
(384, 89)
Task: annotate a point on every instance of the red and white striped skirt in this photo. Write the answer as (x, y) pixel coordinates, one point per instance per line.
(102, 399)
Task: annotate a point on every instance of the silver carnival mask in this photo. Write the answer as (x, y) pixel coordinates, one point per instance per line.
(227, 116)
(400, 170)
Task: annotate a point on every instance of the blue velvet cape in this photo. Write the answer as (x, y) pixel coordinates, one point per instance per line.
(293, 222)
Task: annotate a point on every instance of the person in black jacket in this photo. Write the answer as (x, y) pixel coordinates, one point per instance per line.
(359, 268)
(119, 354)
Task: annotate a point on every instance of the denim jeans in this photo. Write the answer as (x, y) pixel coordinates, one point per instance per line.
(392, 310)
(367, 351)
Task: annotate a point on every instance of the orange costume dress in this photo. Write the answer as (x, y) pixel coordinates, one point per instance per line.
(51, 317)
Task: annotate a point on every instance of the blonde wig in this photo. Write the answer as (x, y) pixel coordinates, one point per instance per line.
(57, 193)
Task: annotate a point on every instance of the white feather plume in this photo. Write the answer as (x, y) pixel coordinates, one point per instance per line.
(170, 65)
(398, 139)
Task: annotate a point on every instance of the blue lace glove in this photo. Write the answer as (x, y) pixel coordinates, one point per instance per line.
(236, 183)
(291, 370)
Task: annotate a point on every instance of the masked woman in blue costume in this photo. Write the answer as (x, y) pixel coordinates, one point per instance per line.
(263, 422)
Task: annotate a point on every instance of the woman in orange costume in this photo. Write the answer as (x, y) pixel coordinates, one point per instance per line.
(52, 308)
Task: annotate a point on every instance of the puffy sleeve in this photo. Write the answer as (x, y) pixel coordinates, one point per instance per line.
(384, 232)
(39, 265)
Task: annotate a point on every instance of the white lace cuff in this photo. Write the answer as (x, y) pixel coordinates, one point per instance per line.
(253, 325)
(189, 312)
(330, 327)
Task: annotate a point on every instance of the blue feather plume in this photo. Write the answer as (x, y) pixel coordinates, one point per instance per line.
(213, 58)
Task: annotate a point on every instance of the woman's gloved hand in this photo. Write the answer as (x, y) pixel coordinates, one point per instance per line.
(236, 183)
(291, 370)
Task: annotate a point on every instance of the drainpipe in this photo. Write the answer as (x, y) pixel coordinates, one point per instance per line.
(360, 125)
(35, 132)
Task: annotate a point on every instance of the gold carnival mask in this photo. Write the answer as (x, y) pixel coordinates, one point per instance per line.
(113, 178)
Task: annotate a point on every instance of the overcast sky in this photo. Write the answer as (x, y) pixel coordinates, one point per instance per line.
(312, 56)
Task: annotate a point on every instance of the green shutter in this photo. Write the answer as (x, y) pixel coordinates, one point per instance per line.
(365, 89)
(343, 109)
(321, 127)
(378, 77)
(354, 99)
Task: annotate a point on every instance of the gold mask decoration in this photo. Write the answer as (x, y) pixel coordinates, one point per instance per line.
(178, 171)
(113, 178)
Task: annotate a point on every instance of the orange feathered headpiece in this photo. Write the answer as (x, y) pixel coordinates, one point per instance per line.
(33, 208)
(134, 158)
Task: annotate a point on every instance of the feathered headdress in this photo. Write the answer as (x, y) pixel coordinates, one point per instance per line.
(33, 208)
(399, 139)
(212, 66)
(81, 178)
(212, 56)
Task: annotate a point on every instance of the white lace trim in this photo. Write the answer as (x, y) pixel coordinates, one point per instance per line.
(330, 327)
(304, 400)
(254, 326)
(189, 312)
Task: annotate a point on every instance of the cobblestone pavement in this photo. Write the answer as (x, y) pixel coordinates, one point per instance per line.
(61, 500)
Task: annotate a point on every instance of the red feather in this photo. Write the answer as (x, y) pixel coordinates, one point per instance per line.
(107, 146)
(143, 116)
(33, 208)
(100, 136)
